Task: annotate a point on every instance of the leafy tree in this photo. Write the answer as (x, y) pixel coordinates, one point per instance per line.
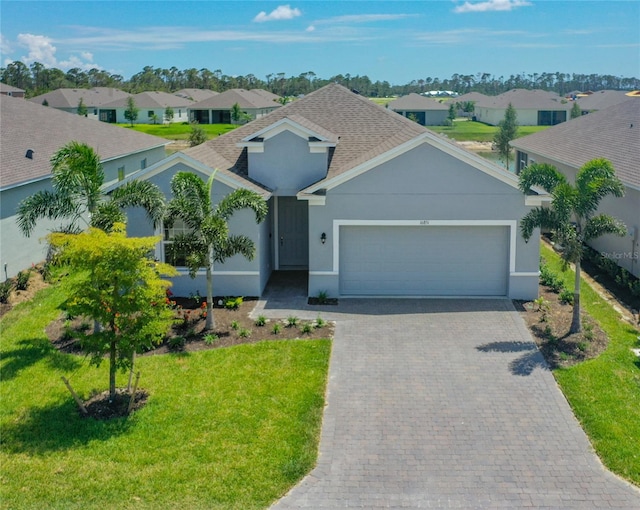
(508, 130)
(154, 118)
(82, 108)
(169, 114)
(572, 216)
(576, 111)
(236, 113)
(197, 135)
(451, 115)
(209, 240)
(131, 113)
(122, 291)
(77, 196)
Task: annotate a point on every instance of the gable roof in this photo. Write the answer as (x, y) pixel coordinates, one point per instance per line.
(602, 99)
(472, 96)
(526, 100)
(4, 88)
(365, 133)
(196, 94)
(245, 98)
(415, 101)
(612, 133)
(25, 125)
(69, 98)
(152, 100)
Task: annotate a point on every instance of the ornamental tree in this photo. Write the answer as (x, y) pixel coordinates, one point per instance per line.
(508, 130)
(121, 289)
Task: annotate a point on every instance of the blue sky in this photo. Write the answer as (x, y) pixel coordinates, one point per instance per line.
(397, 41)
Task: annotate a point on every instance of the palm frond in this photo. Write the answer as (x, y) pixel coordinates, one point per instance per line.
(141, 194)
(105, 215)
(603, 224)
(540, 174)
(538, 217)
(243, 199)
(595, 180)
(234, 245)
(45, 204)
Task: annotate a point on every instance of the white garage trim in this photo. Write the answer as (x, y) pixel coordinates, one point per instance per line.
(427, 223)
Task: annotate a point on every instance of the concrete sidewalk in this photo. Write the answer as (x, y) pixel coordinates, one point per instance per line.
(445, 404)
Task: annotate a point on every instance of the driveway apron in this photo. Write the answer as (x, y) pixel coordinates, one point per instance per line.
(446, 404)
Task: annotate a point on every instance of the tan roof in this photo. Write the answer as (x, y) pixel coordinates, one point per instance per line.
(69, 98)
(364, 130)
(612, 133)
(476, 97)
(525, 100)
(245, 98)
(25, 125)
(415, 101)
(266, 94)
(9, 88)
(152, 100)
(196, 94)
(602, 99)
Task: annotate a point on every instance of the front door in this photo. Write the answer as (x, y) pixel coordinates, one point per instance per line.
(293, 233)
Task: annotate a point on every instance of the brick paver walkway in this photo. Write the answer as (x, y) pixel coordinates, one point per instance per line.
(446, 404)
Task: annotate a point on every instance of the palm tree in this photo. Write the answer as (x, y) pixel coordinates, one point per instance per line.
(78, 197)
(572, 216)
(208, 240)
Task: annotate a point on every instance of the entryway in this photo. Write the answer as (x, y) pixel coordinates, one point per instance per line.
(292, 233)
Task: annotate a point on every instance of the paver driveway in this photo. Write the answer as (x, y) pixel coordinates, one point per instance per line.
(447, 404)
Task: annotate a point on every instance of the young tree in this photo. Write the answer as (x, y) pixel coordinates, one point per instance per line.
(197, 135)
(209, 240)
(123, 291)
(508, 130)
(236, 112)
(131, 113)
(576, 111)
(451, 115)
(82, 108)
(572, 216)
(77, 196)
(168, 114)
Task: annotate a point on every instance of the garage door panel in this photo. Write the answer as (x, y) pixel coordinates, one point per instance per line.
(399, 260)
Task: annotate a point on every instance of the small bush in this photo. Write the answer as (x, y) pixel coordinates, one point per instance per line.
(176, 342)
(235, 325)
(322, 297)
(232, 303)
(210, 339)
(587, 331)
(276, 328)
(5, 291)
(244, 333)
(550, 279)
(320, 322)
(292, 321)
(307, 328)
(566, 297)
(261, 321)
(582, 346)
(22, 280)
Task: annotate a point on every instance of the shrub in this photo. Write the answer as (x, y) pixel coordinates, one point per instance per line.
(550, 279)
(322, 297)
(232, 303)
(261, 321)
(244, 333)
(566, 297)
(5, 291)
(210, 339)
(320, 322)
(307, 328)
(22, 279)
(235, 325)
(276, 328)
(292, 321)
(176, 342)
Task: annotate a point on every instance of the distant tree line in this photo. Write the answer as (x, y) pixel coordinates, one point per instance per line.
(37, 79)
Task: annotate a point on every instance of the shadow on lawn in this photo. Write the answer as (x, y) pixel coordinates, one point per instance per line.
(525, 364)
(28, 352)
(57, 427)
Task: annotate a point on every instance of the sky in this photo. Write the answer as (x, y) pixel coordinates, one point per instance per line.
(396, 41)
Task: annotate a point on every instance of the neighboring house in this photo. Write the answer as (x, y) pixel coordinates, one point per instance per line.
(29, 136)
(533, 107)
(148, 104)
(8, 90)
(366, 201)
(217, 110)
(426, 112)
(614, 134)
(196, 94)
(67, 100)
(601, 100)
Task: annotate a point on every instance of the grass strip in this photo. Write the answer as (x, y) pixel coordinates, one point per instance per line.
(179, 131)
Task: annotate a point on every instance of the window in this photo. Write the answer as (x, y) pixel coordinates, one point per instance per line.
(120, 173)
(143, 164)
(150, 114)
(522, 162)
(179, 227)
(95, 111)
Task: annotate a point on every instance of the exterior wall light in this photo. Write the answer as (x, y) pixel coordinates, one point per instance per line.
(323, 238)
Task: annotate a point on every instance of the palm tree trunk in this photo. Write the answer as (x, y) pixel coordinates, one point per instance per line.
(576, 326)
(210, 323)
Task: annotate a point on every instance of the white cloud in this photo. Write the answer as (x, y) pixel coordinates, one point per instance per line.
(42, 50)
(366, 18)
(310, 28)
(5, 46)
(279, 13)
(491, 5)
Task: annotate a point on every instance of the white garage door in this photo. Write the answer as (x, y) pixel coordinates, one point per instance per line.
(423, 261)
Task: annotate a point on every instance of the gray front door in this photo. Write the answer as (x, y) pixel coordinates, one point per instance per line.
(293, 233)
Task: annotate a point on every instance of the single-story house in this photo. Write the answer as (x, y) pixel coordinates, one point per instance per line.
(614, 134)
(366, 201)
(68, 100)
(217, 110)
(149, 104)
(8, 90)
(29, 136)
(196, 94)
(601, 100)
(533, 108)
(427, 112)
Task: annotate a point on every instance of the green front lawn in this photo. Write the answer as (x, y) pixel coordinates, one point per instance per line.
(179, 131)
(224, 428)
(467, 130)
(605, 392)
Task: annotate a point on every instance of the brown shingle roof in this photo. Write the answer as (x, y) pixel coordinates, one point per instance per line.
(196, 94)
(245, 98)
(525, 99)
(602, 99)
(152, 100)
(25, 125)
(69, 98)
(365, 130)
(612, 133)
(415, 101)
(9, 88)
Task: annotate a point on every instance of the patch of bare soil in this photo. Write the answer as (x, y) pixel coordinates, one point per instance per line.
(36, 283)
(549, 321)
(101, 407)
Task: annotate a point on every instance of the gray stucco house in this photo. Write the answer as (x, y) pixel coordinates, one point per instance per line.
(29, 135)
(614, 134)
(365, 200)
(427, 112)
